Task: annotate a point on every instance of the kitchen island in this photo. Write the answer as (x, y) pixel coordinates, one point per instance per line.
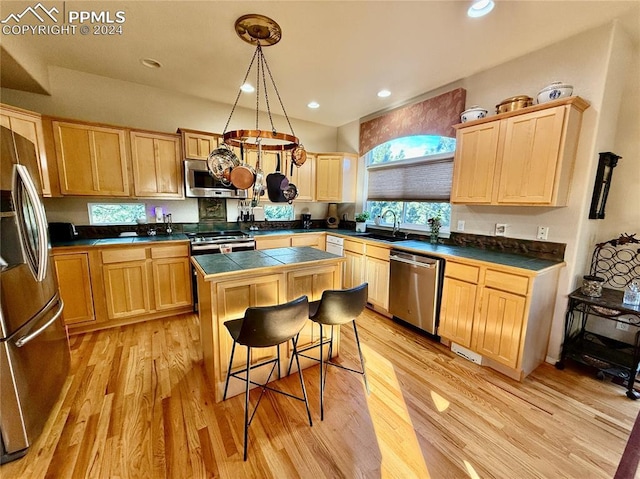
(230, 283)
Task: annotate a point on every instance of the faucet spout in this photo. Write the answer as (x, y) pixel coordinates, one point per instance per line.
(396, 226)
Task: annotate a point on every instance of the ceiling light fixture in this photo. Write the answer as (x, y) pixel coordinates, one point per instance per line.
(262, 32)
(480, 8)
(313, 105)
(150, 63)
(384, 93)
(247, 88)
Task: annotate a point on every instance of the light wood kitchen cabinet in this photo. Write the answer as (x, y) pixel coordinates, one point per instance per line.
(377, 275)
(268, 242)
(524, 157)
(501, 313)
(317, 241)
(29, 125)
(74, 283)
(336, 177)
(458, 306)
(171, 276)
(197, 145)
(157, 165)
(354, 266)
(91, 160)
(305, 179)
(126, 282)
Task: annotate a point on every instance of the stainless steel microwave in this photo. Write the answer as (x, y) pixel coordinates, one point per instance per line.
(200, 184)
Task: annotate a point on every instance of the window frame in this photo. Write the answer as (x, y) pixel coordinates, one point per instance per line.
(94, 223)
(421, 228)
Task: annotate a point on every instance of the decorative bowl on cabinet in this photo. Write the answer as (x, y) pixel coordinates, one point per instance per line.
(473, 113)
(554, 91)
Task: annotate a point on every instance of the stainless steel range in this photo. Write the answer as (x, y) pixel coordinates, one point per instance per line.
(220, 241)
(215, 242)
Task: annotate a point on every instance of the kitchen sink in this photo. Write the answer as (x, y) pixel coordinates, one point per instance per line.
(382, 237)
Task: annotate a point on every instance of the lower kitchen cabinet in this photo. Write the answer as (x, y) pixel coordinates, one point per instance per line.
(377, 275)
(74, 283)
(353, 269)
(171, 276)
(126, 286)
(317, 241)
(268, 242)
(502, 314)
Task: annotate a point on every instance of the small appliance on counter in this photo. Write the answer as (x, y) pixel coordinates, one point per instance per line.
(62, 232)
(306, 220)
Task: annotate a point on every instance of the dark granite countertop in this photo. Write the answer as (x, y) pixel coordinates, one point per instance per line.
(120, 240)
(254, 260)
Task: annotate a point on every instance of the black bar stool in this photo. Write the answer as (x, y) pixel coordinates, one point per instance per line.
(336, 307)
(265, 327)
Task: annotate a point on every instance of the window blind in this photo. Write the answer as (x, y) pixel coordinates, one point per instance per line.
(423, 180)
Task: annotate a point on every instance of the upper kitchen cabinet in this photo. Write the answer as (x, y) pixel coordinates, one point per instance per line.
(156, 165)
(524, 157)
(304, 178)
(196, 145)
(29, 125)
(336, 177)
(91, 160)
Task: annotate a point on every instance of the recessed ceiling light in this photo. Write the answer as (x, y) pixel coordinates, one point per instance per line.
(247, 88)
(314, 105)
(384, 93)
(480, 8)
(151, 63)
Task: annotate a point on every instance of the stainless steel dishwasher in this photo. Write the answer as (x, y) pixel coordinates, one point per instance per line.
(415, 289)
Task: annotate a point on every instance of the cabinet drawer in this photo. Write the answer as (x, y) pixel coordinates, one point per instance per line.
(507, 282)
(170, 251)
(354, 246)
(378, 252)
(122, 255)
(464, 272)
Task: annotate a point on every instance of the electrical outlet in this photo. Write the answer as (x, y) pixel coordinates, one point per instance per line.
(622, 326)
(460, 225)
(543, 232)
(501, 229)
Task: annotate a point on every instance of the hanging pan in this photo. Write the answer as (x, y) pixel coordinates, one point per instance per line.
(243, 176)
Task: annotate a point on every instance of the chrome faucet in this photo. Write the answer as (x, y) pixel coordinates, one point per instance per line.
(396, 226)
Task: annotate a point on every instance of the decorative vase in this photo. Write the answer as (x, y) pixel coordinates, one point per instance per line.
(433, 238)
(361, 227)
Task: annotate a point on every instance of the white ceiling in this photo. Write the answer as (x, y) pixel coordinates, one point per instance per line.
(338, 53)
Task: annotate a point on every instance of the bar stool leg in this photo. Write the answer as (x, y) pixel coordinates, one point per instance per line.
(364, 372)
(246, 403)
(226, 383)
(304, 390)
(321, 373)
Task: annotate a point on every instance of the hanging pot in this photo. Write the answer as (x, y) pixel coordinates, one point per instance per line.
(298, 156)
(290, 192)
(274, 184)
(220, 163)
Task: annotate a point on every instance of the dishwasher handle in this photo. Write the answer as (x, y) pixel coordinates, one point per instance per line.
(425, 263)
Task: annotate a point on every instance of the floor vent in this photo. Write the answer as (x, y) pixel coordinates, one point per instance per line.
(466, 353)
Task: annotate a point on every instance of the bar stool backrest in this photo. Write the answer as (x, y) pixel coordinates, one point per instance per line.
(339, 306)
(272, 325)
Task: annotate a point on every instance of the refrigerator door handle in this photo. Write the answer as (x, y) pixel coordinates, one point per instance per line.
(39, 269)
(25, 339)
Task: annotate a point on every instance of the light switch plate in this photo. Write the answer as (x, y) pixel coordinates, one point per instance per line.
(501, 229)
(460, 225)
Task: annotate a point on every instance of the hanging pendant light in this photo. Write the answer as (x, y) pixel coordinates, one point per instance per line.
(262, 32)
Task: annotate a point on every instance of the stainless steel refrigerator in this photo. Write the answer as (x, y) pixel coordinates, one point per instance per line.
(34, 348)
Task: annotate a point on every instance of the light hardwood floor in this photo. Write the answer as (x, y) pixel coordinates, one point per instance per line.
(137, 405)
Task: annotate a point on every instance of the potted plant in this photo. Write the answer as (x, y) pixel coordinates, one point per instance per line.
(434, 223)
(361, 221)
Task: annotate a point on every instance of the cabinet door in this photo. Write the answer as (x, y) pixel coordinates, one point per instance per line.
(353, 269)
(305, 179)
(126, 289)
(74, 283)
(156, 163)
(197, 146)
(172, 283)
(531, 157)
(30, 126)
(329, 178)
(457, 311)
(315, 241)
(474, 165)
(499, 328)
(92, 161)
(268, 243)
(377, 275)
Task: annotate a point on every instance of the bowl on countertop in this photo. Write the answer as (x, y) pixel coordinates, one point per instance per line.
(473, 113)
(554, 91)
